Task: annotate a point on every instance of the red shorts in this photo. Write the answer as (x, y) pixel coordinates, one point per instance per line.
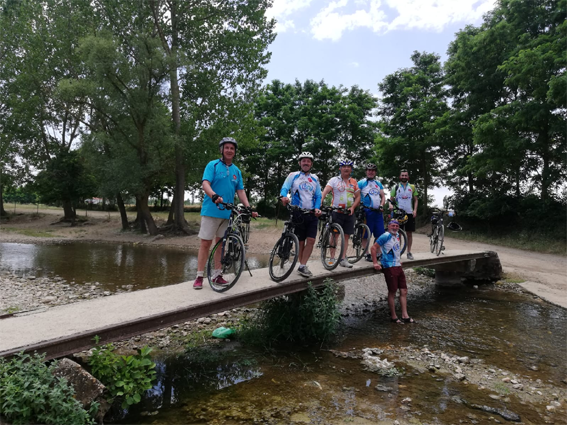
(395, 278)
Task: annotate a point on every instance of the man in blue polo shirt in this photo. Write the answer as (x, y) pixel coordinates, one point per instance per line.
(221, 180)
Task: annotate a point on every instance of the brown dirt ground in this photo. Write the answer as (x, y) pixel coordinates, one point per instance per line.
(543, 274)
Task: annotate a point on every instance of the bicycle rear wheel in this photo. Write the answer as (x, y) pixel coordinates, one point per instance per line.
(226, 263)
(403, 241)
(355, 249)
(283, 257)
(332, 246)
(440, 239)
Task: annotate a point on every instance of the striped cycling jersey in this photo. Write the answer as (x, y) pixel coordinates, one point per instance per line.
(370, 193)
(391, 247)
(305, 190)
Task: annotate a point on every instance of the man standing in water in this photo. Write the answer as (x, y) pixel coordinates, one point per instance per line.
(389, 245)
(405, 195)
(221, 180)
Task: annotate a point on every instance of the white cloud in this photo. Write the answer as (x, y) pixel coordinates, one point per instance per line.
(284, 25)
(432, 15)
(355, 64)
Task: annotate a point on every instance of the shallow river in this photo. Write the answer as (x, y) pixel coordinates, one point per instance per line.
(113, 265)
(507, 331)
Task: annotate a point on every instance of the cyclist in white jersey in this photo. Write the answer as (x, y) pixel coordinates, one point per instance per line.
(305, 192)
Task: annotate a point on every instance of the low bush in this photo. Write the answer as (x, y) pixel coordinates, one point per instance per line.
(126, 377)
(311, 316)
(29, 393)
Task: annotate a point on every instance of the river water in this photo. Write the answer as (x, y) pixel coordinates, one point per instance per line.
(504, 331)
(113, 265)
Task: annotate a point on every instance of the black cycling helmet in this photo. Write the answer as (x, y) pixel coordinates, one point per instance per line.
(371, 166)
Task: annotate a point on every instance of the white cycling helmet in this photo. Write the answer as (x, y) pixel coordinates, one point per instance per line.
(305, 155)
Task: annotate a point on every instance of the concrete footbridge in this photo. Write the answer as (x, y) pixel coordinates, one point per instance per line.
(70, 328)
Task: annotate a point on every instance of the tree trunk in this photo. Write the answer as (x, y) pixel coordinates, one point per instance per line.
(545, 180)
(147, 215)
(140, 222)
(68, 211)
(170, 217)
(3, 212)
(122, 209)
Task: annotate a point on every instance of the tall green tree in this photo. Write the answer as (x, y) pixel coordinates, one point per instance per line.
(217, 51)
(330, 122)
(412, 100)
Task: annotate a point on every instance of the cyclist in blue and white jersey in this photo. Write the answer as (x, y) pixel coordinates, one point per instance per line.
(305, 192)
(373, 198)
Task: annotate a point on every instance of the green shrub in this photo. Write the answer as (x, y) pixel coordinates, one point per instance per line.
(29, 393)
(126, 377)
(311, 316)
(425, 271)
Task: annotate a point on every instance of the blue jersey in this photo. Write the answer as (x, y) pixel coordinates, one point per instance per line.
(370, 193)
(225, 180)
(391, 247)
(305, 190)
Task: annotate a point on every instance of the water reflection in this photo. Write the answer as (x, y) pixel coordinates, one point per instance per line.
(111, 265)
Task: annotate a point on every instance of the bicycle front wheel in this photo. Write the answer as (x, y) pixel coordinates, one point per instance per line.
(403, 241)
(226, 263)
(283, 257)
(440, 239)
(433, 239)
(332, 246)
(356, 249)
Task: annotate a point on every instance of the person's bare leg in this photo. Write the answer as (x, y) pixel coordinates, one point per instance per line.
(392, 304)
(218, 254)
(410, 240)
(301, 250)
(203, 254)
(404, 303)
(346, 247)
(305, 253)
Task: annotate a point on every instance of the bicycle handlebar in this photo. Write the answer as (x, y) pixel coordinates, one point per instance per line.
(231, 207)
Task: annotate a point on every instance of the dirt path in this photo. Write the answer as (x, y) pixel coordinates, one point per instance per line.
(544, 274)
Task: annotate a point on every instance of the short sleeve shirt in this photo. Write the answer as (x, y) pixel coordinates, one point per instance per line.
(391, 249)
(370, 193)
(305, 190)
(343, 192)
(404, 195)
(225, 180)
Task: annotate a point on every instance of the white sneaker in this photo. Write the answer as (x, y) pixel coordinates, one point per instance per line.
(344, 263)
(410, 256)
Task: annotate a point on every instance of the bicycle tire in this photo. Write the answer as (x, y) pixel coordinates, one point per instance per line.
(355, 250)
(328, 248)
(403, 241)
(440, 240)
(232, 262)
(285, 247)
(433, 239)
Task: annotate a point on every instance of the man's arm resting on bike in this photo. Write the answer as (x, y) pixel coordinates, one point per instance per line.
(210, 192)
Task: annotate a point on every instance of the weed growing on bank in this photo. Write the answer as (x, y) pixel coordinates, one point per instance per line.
(30, 393)
(308, 317)
(425, 271)
(126, 377)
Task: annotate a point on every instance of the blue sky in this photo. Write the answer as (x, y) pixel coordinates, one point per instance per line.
(359, 42)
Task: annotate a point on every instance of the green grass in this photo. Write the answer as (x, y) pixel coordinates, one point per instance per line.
(523, 240)
(30, 232)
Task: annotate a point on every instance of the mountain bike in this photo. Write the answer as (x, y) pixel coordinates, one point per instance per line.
(285, 253)
(401, 216)
(331, 238)
(358, 248)
(228, 256)
(437, 235)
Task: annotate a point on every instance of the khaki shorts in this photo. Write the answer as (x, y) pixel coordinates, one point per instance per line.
(211, 227)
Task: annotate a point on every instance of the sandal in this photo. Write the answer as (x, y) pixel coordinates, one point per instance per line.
(396, 320)
(408, 320)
